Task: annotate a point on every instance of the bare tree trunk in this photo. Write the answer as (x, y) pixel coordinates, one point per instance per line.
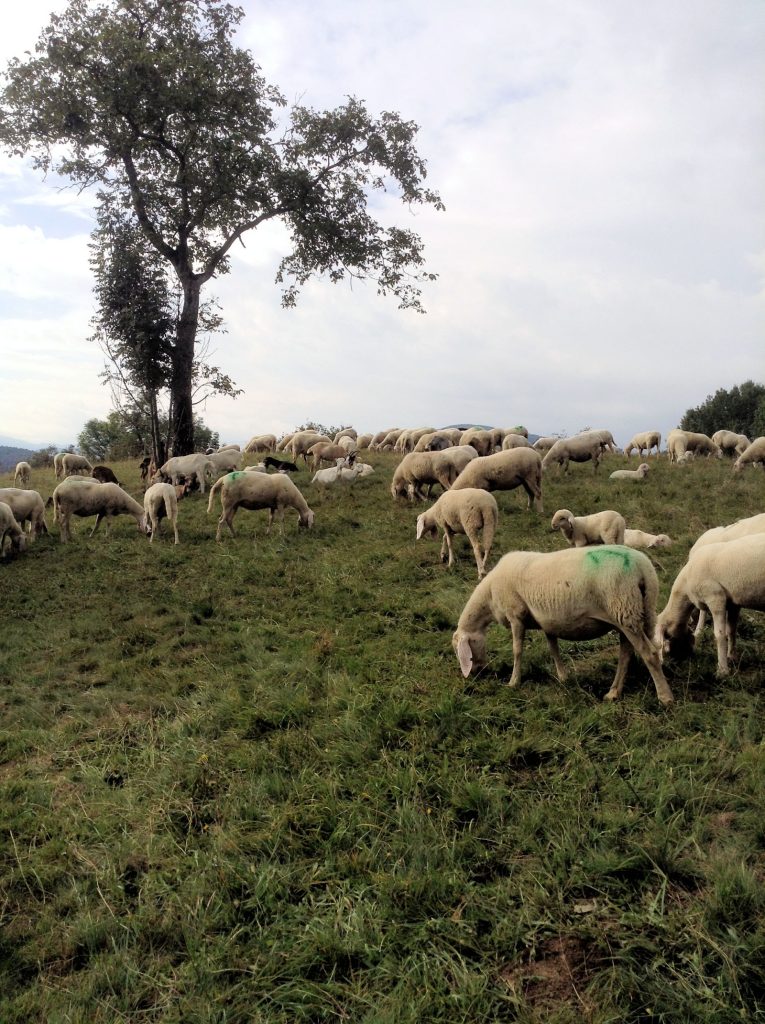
(182, 423)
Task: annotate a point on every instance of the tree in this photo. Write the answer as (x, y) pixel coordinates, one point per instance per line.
(151, 101)
(136, 321)
(126, 434)
(741, 409)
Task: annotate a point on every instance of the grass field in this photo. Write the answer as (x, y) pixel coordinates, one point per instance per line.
(246, 782)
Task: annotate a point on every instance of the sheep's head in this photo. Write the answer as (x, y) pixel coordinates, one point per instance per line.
(307, 518)
(425, 526)
(143, 525)
(661, 541)
(470, 649)
(643, 468)
(563, 520)
(675, 639)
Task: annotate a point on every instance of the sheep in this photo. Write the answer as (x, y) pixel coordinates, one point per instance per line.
(22, 474)
(388, 442)
(418, 469)
(341, 473)
(27, 507)
(325, 451)
(504, 471)
(281, 465)
(283, 441)
(408, 439)
(58, 469)
(722, 579)
(755, 453)
(197, 467)
(511, 441)
(730, 442)
(544, 444)
(481, 440)
(148, 468)
(521, 431)
(276, 492)
(261, 443)
(640, 539)
(302, 442)
(160, 501)
(11, 529)
(574, 594)
(226, 460)
(346, 432)
(605, 437)
(223, 448)
(259, 467)
(348, 443)
(681, 441)
(105, 475)
(471, 511)
(72, 464)
(85, 498)
(633, 475)
(364, 441)
(605, 527)
(579, 448)
(644, 443)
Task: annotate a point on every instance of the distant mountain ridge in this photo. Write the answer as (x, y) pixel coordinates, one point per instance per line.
(10, 455)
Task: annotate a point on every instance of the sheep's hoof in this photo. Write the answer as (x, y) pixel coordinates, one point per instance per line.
(612, 695)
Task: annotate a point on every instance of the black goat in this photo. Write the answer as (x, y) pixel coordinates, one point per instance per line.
(279, 464)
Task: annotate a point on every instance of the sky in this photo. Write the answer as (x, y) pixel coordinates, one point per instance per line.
(600, 260)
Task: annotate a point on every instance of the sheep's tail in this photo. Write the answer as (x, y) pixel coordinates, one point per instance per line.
(56, 507)
(213, 491)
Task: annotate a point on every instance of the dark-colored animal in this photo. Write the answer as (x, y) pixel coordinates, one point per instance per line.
(148, 469)
(279, 464)
(105, 475)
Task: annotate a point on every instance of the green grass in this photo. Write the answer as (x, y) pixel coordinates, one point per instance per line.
(246, 782)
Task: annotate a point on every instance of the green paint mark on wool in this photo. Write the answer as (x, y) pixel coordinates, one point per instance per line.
(236, 474)
(598, 557)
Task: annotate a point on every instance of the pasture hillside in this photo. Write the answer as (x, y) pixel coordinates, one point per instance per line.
(246, 781)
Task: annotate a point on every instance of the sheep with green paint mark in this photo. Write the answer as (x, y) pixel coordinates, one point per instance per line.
(575, 594)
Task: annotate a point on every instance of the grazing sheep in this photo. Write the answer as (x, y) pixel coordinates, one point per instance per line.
(11, 529)
(579, 448)
(197, 467)
(605, 437)
(345, 432)
(281, 465)
(481, 440)
(752, 455)
(161, 501)
(261, 443)
(302, 442)
(730, 442)
(575, 594)
(644, 443)
(58, 469)
(105, 475)
(72, 464)
(640, 539)
(348, 443)
(471, 511)
(511, 441)
(719, 578)
(282, 443)
(681, 441)
(85, 498)
(364, 441)
(388, 440)
(276, 492)
(27, 507)
(504, 471)
(633, 475)
(419, 469)
(326, 451)
(544, 444)
(605, 527)
(226, 460)
(22, 474)
(408, 439)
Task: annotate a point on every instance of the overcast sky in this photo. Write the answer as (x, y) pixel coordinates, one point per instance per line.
(600, 260)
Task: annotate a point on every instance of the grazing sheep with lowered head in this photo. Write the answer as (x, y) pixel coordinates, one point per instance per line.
(730, 442)
(22, 474)
(10, 528)
(161, 501)
(679, 442)
(276, 492)
(86, 498)
(420, 469)
(191, 467)
(27, 507)
(72, 464)
(605, 527)
(575, 594)
(471, 511)
(644, 443)
(752, 455)
(504, 471)
(579, 448)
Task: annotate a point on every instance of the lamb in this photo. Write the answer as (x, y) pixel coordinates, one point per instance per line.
(105, 475)
(22, 474)
(755, 453)
(85, 498)
(574, 594)
(504, 471)
(27, 507)
(640, 539)
(71, 464)
(226, 460)
(197, 467)
(644, 443)
(341, 473)
(161, 501)
(730, 442)
(471, 511)
(605, 527)
(281, 465)
(681, 441)
(633, 475)
(276, 492)
(722, 579)
(579, 448)
(11, 529)
(261, 443)
(418, 469)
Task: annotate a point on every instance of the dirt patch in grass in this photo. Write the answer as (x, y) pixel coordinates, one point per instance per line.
(556, 976)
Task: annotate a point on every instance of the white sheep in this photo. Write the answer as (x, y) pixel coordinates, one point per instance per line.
(752, 455)
(644, 443)
(11, 529)
(681, 441)
(226, 460)
(27, 507)
(471, 511)
(190, 467)
(730, 442)
(274, 491)
(259, 467)
(22, 474)
(85, 498)
(544, 444)
(341, 473)
(575, 594)
(58, 469)
(72, 464)
(722, 579)
(631, 475)
(579, 448)
(364, 441)
(515, 441)
(261, 443)
(160, 501)
(425, 469)
(504, 471)
(641, 539)
(605, 527)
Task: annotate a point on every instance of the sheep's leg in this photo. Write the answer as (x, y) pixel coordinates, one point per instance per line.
(701, 623)
(444, 547)
(226, 519)
(154, 528)
(560, 668)
(174, 521)
(99, 517)
(625, 652)
(732, 626)
(448, 539)
(650, 656)
(480, 558)
(518, 631)
(720, 622)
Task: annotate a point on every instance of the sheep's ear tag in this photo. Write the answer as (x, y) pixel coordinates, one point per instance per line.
(465, 655)
(420, 526)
